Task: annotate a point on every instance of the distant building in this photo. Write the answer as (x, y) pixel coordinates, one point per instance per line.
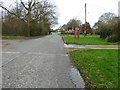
(119, 9)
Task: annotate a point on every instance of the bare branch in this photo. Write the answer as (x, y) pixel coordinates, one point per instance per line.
(23, 5)
(33, 4)
(11, 12)
(7, 10)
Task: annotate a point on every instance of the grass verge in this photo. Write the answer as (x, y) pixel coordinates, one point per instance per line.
(14, 37)
(99, 68)
(20, 37)
(88, 40)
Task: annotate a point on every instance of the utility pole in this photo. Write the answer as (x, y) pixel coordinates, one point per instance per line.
(85, 12)
(85, 31)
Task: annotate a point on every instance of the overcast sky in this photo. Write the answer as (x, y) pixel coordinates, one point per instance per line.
(68, 9)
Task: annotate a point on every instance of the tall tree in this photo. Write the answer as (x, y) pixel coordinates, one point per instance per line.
(34, 13)
(74, 23)
(106, 17)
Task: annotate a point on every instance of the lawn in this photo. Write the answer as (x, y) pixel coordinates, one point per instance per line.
(88, 40)
(99, 68)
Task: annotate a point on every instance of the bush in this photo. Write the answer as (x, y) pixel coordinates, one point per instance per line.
(112, 38)
(97, 32)
(105, 31)
(62, 32)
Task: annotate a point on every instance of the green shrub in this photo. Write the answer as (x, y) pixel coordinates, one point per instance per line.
(97, 31)
(112, 38)
(105, 31)
(62, 32)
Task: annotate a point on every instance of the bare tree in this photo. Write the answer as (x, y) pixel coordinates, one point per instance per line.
(74, 23)
(106, 17)
(34, 11)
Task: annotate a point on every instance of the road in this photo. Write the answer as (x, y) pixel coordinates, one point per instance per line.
(36, 63)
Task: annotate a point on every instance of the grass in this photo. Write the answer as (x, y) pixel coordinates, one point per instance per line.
(13, 37)
(21, 37)
(99, 68)
(88, 40)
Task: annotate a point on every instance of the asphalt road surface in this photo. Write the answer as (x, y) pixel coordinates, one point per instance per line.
(36, 63)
